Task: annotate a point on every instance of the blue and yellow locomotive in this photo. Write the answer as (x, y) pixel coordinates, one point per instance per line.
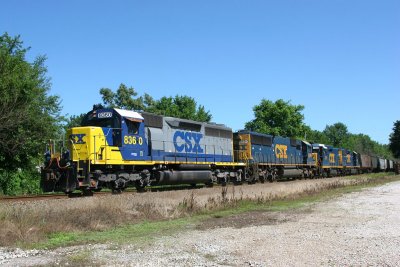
(270, 157)
(116, 148)
(333, 161)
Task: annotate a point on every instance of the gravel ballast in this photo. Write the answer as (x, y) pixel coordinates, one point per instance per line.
(357, 229)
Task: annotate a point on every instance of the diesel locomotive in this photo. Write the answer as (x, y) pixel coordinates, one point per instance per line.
(115, 148)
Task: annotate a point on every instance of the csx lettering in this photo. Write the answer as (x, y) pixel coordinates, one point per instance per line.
(188, 142)
(132, 140)
(280, 151)
(77, 138)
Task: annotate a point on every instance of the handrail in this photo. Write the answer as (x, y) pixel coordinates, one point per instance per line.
(76, 151)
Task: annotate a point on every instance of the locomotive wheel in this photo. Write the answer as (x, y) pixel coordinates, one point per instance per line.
(223, 180)
(247, 176)
(140, 187)
(271, 178)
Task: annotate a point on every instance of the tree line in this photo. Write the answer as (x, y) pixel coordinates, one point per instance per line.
(125, 97)
(284, 119)
(30, 116)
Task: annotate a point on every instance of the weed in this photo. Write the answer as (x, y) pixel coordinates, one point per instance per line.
(132, 216)
(189, 204)
(79, 259)
(224, 192)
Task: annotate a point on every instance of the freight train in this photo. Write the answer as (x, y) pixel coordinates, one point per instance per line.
(115, 148)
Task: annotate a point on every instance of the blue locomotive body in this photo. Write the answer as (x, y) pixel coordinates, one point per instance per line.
(274, 156)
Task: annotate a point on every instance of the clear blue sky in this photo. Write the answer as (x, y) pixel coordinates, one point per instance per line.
(338, 58)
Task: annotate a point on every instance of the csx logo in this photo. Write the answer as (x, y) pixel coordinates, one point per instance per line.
(188, 142)
(280, 151)
(77, 138)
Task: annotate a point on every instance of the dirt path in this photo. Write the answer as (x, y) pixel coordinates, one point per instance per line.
(358, 229)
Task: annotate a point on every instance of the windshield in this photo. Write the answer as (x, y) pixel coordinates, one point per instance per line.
(92, 119)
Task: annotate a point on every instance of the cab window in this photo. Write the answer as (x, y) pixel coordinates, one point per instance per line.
(132, 125)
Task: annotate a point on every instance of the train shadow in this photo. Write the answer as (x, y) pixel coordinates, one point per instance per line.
(174, 187)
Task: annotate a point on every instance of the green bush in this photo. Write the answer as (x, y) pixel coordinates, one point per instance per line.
(20, 182)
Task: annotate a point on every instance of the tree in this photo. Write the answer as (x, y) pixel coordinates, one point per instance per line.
(361, 143)
(394, 140)
(315, 136)
(278, 118)
(28, 115)
(337, 134)
(123, 98)
(184, 107)
(73, 121)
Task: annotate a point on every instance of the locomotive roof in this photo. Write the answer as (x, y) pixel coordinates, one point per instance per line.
(155, 120)
(129, 114)
(305, 142)
(173, 120)
(319, 145)
(253, 133)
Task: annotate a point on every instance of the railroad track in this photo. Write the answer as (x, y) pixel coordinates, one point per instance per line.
(48, 196)
(102, 193)
(32, 197)
(153, 189)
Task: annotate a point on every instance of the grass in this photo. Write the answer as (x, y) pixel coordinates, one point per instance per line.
(79, 259)
(374, 175)
(140, 218)
(138, 233)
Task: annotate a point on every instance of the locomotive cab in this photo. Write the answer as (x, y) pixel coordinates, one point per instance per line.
(307, 153)
(112, 135)
(322, 157)
(107, 138)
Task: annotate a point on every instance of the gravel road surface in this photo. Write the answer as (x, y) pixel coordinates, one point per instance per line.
(357, 229)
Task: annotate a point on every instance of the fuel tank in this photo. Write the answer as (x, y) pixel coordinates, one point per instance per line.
(183, 177)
